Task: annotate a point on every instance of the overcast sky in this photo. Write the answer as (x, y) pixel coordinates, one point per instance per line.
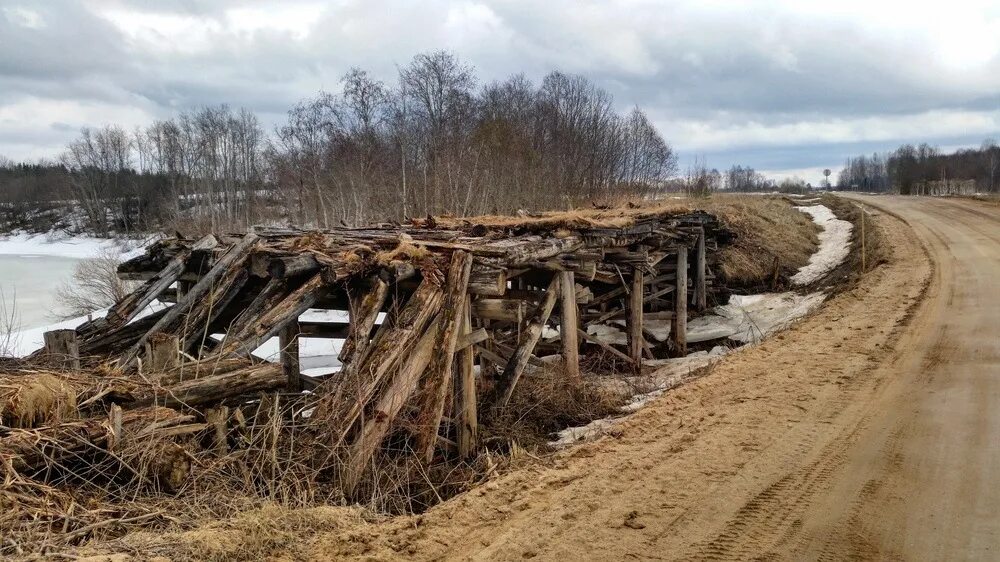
(784, 86)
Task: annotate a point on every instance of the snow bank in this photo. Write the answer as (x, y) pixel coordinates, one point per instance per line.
(834, 245)
(751, 318)
(65, 246)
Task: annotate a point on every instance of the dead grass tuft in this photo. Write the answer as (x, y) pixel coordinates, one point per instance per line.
(34, 399)
(543, 404)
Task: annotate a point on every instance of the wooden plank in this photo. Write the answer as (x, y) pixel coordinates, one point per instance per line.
(129, 307)
(288, 345)
(469, 339)
(441, 376)
(466, 407)
(515, 365)
(507, 310)
(363, 313)
(679, 331)
(700, 289)
(487, 280)
(569, 325)
(392, 342)
(633, 320)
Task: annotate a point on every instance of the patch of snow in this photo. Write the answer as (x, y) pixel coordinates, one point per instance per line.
(748, 319)
(834, 245)
(68, 246)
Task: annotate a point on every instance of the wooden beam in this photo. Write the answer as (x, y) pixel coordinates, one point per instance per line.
(487, 280)
(469, 339)
(288, 345)
(508, 310)
(515, 365)
(605, 347)
(441, 377)
(679, 331)
(363, 313)
(633, 320)
(466, 409)
(700, 290)
(323, 330)
(569, 325)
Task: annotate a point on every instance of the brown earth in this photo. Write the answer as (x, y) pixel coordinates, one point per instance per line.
(871, 430)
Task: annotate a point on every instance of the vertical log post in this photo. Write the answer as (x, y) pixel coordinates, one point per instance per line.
(634, 319)
(288, 343)
(700, 290)
(163, 352)
(569, 324)
(465, 393)
(679, 332)
(63, 347)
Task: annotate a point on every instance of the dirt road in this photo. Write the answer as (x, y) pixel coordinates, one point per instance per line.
(871, 430)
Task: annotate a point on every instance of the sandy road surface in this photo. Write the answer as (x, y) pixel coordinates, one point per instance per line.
(869, 431)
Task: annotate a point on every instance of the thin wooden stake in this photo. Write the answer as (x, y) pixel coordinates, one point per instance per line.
(465, 395)
(288, 345)
(679, 332)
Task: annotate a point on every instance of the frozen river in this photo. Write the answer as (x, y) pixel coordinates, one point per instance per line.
(29, 284)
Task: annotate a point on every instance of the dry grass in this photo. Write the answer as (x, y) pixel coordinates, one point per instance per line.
(36, 398)
(773, 239)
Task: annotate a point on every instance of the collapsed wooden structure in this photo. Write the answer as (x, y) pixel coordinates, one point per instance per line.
(443, 317)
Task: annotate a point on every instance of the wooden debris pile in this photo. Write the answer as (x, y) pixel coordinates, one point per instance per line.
(443, 319)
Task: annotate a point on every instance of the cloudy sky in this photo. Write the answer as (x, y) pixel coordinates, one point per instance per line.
(789, 87)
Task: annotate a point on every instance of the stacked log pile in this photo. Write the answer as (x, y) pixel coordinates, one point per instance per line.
(446, 317)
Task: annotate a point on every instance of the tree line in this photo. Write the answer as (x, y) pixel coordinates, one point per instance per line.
(434, 141)
(924, 169)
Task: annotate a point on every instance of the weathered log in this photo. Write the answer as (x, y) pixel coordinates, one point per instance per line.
(471, 338)
(440, 377)
(163, 353)
(363, 313)
(507, 310)
(700, 290)
(209, 389)
(487, 280)
(272, 321)
(515, 365)
(27, 450)
(290, 266)
(288, 346)
(63, 348)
